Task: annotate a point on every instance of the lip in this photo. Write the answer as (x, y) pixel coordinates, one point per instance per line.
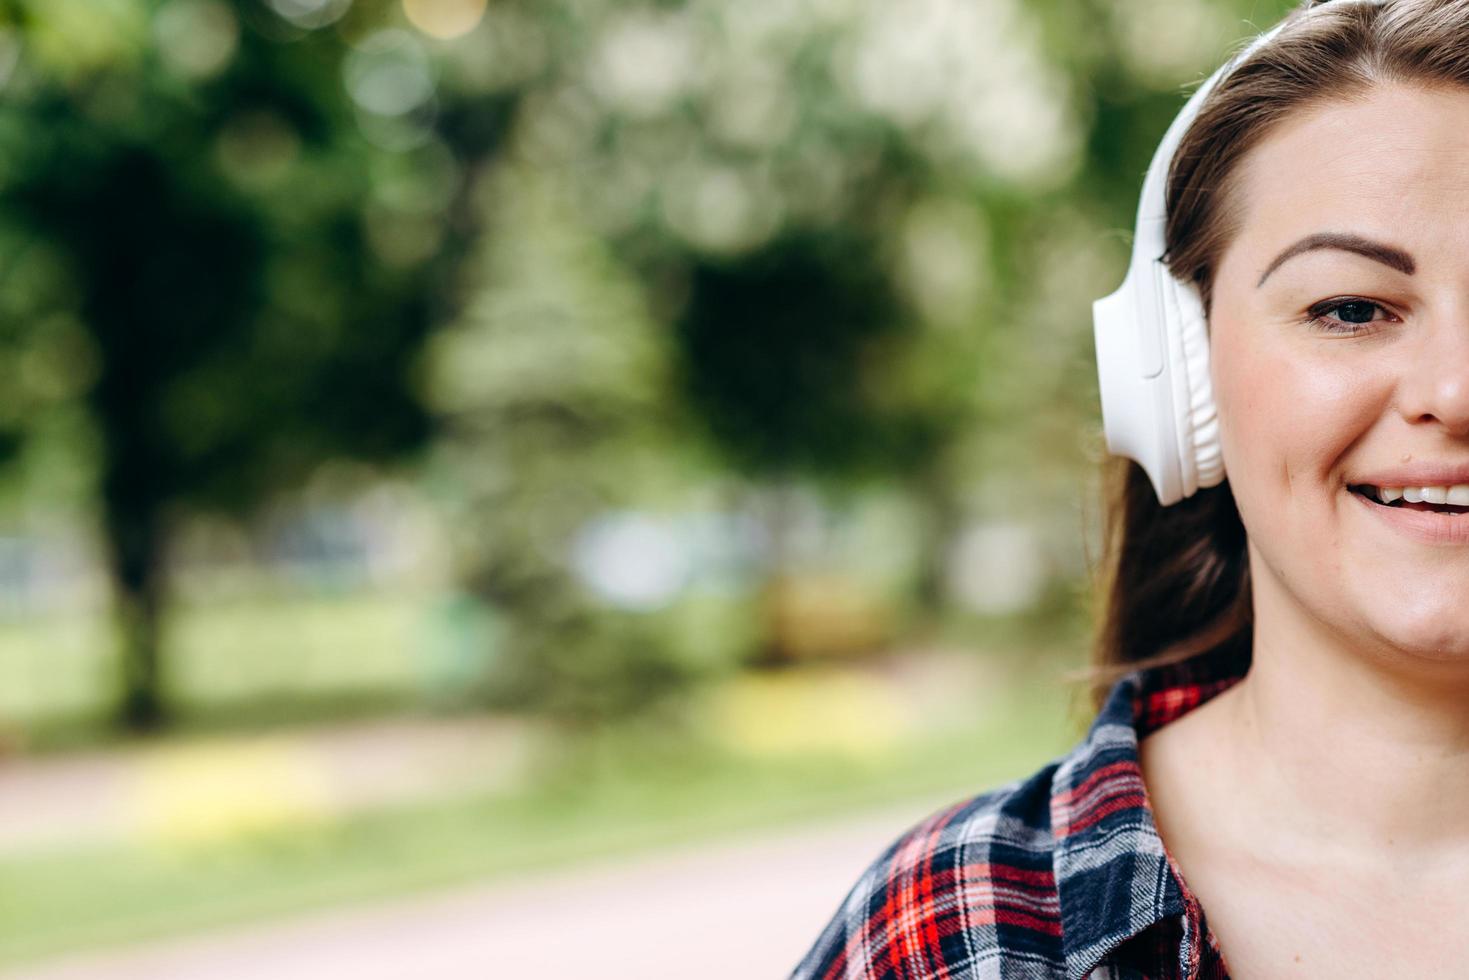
(1421, 475)
(1423, 525)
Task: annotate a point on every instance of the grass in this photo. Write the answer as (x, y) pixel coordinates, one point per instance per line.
(625, 792)
(241, 664)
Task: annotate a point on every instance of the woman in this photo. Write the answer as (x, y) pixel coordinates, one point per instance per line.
(1285, 741)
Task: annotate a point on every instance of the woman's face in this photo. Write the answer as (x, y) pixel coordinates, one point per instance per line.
(1376, 392)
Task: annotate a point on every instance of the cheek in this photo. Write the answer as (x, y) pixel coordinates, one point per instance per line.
(1288, 412)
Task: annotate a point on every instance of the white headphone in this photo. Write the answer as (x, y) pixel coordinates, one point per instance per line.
(1153, 341)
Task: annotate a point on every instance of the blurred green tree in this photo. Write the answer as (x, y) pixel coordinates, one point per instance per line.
(558, 410)
(871, 234)
(866, 238)
(781, 177)
(254, 251)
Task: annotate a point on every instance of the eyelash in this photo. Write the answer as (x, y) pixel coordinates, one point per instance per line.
(1316, 317)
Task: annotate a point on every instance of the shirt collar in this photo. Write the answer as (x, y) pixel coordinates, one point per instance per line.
(1114, 877)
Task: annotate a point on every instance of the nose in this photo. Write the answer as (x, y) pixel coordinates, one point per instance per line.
(1435, 386)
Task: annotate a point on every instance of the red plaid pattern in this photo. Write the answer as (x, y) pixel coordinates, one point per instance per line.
(1058, 876)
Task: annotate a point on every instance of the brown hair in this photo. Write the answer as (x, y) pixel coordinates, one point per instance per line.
(1174, 582)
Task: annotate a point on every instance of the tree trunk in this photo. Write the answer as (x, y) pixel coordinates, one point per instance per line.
(136, 549)
(943, 518)
(778, 517)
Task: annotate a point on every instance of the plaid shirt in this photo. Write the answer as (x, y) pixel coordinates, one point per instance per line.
(1059, 875)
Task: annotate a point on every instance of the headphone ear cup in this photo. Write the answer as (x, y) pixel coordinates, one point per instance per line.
(1198, 419)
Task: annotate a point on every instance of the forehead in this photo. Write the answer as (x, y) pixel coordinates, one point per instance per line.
(1392, 164)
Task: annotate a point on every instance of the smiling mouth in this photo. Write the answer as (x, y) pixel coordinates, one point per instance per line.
(1369, 493)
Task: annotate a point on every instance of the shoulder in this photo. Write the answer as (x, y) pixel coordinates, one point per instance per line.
(953, 895)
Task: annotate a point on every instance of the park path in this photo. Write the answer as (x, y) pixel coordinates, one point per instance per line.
(118, 794)
(183, 786)
(741, 908)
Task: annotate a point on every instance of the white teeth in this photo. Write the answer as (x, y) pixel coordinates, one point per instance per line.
(1458, 494)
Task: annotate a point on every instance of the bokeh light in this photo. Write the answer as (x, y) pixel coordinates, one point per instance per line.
(444, 19)
(388, 73)
(197, 37)
(632, 560)
(311, 14)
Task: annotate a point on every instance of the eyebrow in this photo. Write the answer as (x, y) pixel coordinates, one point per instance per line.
(1377, 251)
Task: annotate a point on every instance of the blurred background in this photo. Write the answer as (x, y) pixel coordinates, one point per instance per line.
(493, 487)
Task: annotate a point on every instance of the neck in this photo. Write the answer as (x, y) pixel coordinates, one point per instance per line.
(1345, 755)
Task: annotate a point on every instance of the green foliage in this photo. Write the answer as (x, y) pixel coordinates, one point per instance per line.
(829, 246)
(732, 248)
(252, 275)
(556, 398)
(783, 351)
(216, 251)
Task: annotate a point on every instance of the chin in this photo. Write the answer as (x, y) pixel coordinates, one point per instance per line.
(1442, 639)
